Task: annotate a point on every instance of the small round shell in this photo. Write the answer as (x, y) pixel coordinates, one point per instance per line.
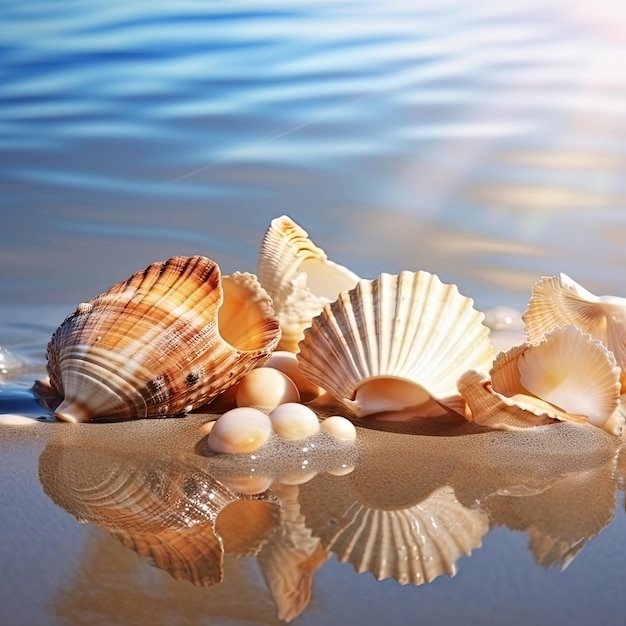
(396, 343)
(266, 387)
(287, 363)
(299, 277)
(340, 428)
(240, 430)
(294, 421)
(170, 338)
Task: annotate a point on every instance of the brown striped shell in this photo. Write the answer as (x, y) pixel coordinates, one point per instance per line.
(170, 338)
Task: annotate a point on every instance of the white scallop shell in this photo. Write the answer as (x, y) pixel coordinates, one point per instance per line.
(568, 376)
(168, 339)
(558, 300)
(412, 545)
(299, 277)
(399, 342)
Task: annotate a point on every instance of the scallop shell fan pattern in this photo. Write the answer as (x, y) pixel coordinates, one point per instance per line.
(408, 335)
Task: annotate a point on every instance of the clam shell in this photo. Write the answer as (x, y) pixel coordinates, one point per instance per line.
(170, 338)
(412, 545)
(396, 343)
(558, 300)
(568, 376)
(299, 277)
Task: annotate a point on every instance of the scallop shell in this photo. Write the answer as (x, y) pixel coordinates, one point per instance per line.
(412, 545)
(160, 508)
(299, 277)
(558, 300)
(568, 376)
(170, 338)
(396, 343)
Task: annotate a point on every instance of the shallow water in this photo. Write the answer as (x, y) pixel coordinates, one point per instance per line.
(481, 142)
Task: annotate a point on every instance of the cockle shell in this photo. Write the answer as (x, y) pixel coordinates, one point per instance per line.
(170, 338)
(396, 343)
(558, 300)
(568, 376)
(299, 277)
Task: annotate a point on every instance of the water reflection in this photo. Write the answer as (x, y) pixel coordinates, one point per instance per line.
(410, 508)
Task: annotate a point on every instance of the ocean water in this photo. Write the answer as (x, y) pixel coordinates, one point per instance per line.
(481, 141)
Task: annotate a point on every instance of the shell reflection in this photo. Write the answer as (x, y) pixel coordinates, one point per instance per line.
(162, 509)
(412, 545)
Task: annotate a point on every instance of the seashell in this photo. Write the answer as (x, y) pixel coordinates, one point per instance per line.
(299, 277)
(340, 428)
(568, 376)
(396, 343)
(293, 421)
(558, 300)
(167, 340)
(287, 363)
(413, 545)
(266, 387)
(240, 431)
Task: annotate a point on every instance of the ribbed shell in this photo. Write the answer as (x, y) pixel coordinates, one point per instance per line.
(558, 300)
(567, 376)
(170, 338)
(399, 341)
(160, 508)
(412, 545)
(299, 277)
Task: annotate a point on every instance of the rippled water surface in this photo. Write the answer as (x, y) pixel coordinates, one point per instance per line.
(482, 141)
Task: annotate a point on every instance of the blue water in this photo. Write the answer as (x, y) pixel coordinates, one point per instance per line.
(482, 141)
(465, 133)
